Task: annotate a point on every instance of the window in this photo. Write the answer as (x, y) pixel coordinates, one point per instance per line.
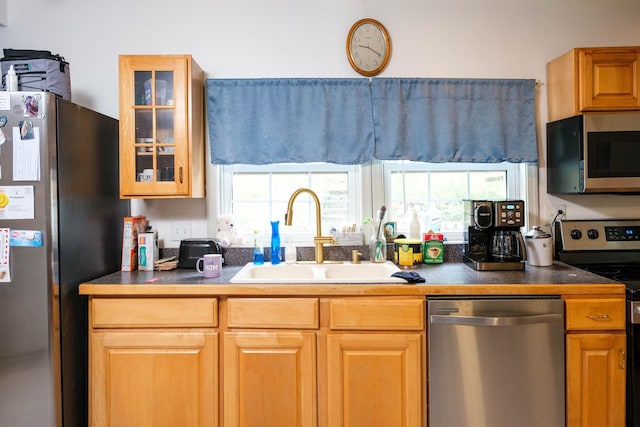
(436, 192)
(256, 195)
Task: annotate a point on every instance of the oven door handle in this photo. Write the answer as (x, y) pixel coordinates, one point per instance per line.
(495, 321)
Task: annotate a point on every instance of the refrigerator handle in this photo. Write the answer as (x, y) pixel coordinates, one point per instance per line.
(495, 321)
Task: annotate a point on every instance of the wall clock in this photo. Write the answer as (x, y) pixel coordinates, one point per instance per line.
(368, 47)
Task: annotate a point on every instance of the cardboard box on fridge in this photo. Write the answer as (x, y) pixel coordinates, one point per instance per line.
(133, 225)
(147, 250)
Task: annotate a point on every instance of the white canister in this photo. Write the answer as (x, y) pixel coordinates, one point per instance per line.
(539, 247)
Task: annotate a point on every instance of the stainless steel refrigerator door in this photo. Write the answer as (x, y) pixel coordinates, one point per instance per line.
(43, 320)
(29, 335)
(496, 363)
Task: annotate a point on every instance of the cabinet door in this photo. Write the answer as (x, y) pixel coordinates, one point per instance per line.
(596, 380)
(270, 379)
(609, 80)
(153, 379)
(374, 380)
(160, 109)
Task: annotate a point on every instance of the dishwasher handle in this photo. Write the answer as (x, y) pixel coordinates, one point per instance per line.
(495, 321)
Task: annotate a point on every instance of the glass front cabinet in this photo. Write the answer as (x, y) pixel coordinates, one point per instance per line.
(161, 127)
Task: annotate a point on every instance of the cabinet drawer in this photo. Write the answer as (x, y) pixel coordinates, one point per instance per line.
(270, 313)
(154, 312)
(595, 314)
(377, 314)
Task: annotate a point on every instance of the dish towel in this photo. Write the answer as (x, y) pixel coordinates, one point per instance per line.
(409, 276)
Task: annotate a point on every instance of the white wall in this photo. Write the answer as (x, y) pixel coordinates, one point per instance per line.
(304, 38)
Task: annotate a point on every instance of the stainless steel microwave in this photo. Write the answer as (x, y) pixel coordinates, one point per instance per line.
(594, 153)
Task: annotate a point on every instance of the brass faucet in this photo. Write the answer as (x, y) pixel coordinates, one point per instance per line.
(319, 240)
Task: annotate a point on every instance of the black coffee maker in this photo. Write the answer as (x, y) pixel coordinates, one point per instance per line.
(492, 237)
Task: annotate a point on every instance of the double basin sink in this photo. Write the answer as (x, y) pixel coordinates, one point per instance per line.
(345, 273)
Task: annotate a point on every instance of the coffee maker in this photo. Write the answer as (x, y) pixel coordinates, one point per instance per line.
(492, 237)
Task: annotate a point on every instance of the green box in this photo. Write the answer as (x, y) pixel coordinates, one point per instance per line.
(433, 252)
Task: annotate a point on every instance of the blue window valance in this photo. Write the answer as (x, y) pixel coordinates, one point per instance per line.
(353, 121)
(455, 120)
(262, 121)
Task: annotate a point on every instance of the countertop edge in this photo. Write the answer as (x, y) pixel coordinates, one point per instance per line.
(443, 279)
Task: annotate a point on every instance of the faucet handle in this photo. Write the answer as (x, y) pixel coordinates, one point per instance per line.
(324, 239)
(355, 256)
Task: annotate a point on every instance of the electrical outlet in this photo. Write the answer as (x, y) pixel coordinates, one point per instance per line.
(556, 209)
(180, 230)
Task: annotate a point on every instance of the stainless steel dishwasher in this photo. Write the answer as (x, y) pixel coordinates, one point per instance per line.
(496, 362)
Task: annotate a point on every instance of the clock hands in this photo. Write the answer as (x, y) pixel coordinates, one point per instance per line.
(367, 47)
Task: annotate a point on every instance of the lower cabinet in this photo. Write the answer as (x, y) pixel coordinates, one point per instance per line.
(374, 380)
(269, 379)
(153, 362)
(375, 363)
(269, 376)
(307, 362)
(332, 362)
(152, 379)
(596, 362)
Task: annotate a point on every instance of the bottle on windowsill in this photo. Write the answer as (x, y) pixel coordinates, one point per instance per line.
(258, 253)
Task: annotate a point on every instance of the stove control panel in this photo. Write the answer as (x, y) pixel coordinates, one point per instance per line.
(584, 235)
(623, 233)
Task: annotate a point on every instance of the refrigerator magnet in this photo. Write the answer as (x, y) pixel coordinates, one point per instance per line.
(4, 255)
(30, 238)
(31, 106)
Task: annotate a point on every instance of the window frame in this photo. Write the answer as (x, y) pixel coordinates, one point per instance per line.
(354, 189)
(369, 187)
(516, 184)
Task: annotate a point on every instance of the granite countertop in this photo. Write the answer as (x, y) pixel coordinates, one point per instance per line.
(448, 278)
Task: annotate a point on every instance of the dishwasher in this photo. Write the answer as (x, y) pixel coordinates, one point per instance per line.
(496, 362)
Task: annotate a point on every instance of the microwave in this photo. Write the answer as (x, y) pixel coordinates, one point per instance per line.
(594, 153)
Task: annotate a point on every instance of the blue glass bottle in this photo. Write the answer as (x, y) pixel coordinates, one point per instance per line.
(275, 242)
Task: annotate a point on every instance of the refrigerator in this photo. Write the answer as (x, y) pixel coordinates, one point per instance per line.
(60, 225)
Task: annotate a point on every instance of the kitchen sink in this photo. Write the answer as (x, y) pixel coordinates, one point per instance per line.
(347, 273)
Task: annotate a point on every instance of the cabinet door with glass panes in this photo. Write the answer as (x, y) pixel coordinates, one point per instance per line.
(161, 127)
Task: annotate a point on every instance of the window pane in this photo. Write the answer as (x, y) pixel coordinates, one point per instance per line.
(436, 192)
(262, 196)
(449, 185)
(488, 185)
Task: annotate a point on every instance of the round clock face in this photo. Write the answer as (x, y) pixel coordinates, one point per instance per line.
(368, 47)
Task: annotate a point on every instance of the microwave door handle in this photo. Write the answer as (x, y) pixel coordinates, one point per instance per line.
(495, 321)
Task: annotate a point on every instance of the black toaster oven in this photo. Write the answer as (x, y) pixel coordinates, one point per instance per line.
(192, 249)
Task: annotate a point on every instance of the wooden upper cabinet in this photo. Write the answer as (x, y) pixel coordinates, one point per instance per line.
(593, 80)
(161, 127)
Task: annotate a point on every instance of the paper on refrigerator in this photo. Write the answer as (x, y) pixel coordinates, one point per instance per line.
(17, 202)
